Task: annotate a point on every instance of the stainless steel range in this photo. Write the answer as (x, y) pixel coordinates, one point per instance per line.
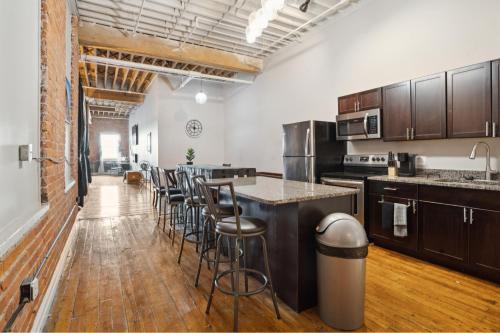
(357, 169)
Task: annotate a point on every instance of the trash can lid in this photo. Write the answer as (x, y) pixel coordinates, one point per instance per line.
(341, 230)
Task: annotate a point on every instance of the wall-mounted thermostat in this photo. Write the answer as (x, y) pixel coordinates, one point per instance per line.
(26, 153)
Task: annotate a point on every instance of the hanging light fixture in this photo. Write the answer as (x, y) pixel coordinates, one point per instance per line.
(201, 97)
(259, 20)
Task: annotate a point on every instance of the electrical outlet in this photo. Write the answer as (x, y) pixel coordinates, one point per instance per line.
(26, 153)
(29, 288)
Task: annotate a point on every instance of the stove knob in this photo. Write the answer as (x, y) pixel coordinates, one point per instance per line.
(383, 159)
(378, 159)
(373, 159)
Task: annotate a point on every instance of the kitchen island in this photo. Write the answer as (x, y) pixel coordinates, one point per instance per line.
(291, 211)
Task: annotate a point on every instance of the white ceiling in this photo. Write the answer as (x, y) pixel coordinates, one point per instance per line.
(218, 24)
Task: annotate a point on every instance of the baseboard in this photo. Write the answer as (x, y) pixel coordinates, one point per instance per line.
(48, 298)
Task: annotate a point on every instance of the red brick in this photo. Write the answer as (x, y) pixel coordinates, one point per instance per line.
(24, 258)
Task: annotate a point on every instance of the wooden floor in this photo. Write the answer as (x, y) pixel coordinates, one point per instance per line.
(123, 276)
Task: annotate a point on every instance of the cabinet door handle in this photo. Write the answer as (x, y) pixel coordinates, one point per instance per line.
(407, 133)
(465, 215)
(412, 133)
(494, 130)
(487, 128)
(393, 189)
(414, 207)
(471, 217)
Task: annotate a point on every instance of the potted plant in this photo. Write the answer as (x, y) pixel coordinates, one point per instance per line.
(190, 155)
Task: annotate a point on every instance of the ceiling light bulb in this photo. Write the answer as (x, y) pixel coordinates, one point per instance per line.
(261, 20)
(278, 4)
(201, 97)
(251, 18)
(251, 38)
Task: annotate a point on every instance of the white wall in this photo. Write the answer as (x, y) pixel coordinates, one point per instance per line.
(166, 112)
(146, 117)
(381, 42)
(19, 116)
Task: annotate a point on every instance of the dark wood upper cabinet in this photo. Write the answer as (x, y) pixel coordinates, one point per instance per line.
(495, 77)
(397, 112)
(428, 107)
(347, 103)
(484, 244)
(469, 101)
(364, 100)
(370, 99)
(443, 232)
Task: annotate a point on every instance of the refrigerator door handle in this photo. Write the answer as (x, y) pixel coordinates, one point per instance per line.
(283, 143)
(308, 141)
(307, 167)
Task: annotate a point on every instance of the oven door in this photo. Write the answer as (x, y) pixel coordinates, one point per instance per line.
(358, 200)
(361, 125)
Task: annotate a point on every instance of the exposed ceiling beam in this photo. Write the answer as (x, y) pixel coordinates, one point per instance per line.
(116, 95)
(158, 69)
(111, 38)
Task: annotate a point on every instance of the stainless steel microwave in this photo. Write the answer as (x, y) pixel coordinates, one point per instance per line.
(360, 125)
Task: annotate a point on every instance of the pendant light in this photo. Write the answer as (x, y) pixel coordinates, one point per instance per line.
(201, 97)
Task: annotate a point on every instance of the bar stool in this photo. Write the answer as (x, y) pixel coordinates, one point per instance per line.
(162, 189)
(192, 204)
(238, 228)
(173, 197)
(208, 226)
(156, 186)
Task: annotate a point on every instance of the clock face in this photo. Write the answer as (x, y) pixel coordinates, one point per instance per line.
(194, 128)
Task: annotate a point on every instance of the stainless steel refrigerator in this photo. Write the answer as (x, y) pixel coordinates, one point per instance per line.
(309, 149)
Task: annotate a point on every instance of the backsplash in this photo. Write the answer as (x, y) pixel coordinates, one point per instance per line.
(449, 154)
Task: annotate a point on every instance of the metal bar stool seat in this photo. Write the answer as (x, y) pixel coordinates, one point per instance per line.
(250, 226)
(171, 190)
(222, 210)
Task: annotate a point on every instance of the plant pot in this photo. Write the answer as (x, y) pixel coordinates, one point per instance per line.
(189, 163)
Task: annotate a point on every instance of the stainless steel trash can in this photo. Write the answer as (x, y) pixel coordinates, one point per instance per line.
(341, 250)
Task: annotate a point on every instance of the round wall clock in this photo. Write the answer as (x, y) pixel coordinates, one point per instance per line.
(194, 128)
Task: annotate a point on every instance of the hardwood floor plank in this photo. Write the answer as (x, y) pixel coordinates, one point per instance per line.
(123, 276)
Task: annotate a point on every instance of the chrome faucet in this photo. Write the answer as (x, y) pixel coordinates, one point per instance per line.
(472, 156)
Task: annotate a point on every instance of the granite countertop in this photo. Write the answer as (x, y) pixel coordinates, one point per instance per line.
(274, 191)
(443, 182)
(211, 167)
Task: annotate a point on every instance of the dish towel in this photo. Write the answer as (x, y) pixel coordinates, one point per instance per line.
(387, 215)
(400, 220)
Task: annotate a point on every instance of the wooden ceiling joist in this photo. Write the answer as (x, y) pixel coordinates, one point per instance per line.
(116, 95)
(102, 108)
(97, 36)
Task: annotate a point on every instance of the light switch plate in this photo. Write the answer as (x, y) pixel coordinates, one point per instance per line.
(26, 153)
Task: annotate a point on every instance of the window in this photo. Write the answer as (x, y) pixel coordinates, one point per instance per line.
(110, 146)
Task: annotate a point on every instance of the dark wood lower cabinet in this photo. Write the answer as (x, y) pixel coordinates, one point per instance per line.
(386, 235)
(457, 228)
(443, 231)
(484, 242)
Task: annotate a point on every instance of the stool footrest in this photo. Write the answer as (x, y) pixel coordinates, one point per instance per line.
(242, 293)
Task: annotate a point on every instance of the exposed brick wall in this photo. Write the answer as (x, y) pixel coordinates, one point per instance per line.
(107, 126)
(23, 259)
